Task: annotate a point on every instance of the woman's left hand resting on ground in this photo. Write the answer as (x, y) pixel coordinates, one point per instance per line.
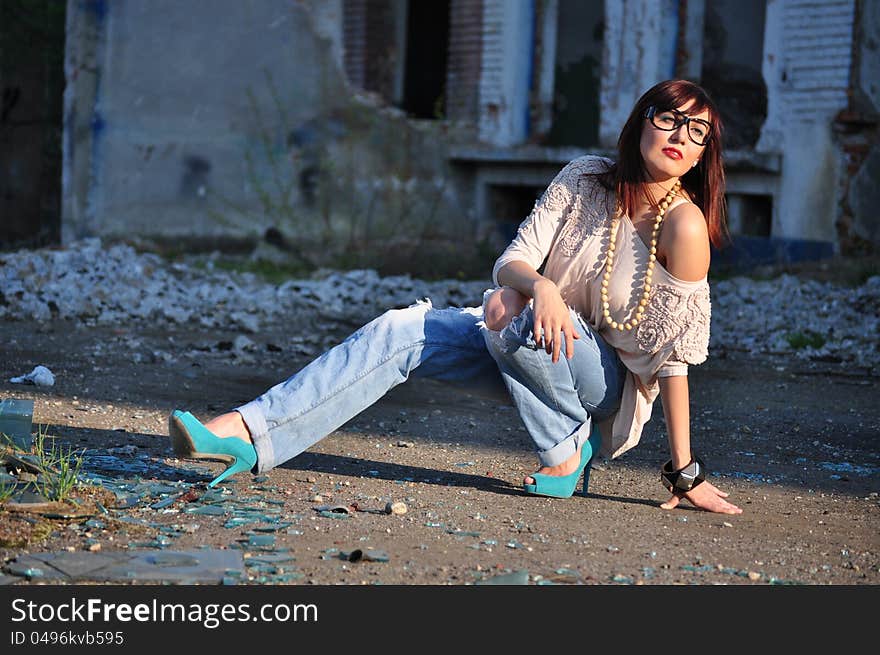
(705, 496)
(676, 408)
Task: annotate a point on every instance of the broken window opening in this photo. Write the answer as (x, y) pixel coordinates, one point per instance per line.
(373, 45)
(398, 49)
(32, 42)
(733, 51)
(427, 45)
(508, 206)
(750, 214)
(577, 78)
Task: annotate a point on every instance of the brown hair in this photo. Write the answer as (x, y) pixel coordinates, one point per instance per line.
(704, 183)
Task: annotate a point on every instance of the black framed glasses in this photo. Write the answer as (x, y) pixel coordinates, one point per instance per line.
(668, 120)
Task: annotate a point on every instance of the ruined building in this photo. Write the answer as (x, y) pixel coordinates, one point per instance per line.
(360, 127)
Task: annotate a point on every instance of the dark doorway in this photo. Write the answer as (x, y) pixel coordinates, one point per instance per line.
(509, 205)
(750, 214)
(427, 43)
(31, 108)
(733, 54)
(579, 43)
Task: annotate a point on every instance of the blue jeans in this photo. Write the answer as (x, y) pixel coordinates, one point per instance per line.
(555, 401)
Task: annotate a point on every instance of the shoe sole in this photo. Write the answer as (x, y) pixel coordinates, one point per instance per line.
(531, 490)
(183, 446)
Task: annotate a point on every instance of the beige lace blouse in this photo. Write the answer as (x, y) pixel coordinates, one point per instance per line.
(568, 232)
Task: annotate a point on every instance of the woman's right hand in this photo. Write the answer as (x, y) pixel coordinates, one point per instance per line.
(553, 317)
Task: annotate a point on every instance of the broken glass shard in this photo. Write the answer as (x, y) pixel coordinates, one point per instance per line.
(16, 422)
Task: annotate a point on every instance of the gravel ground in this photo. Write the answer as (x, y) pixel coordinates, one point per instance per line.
(787, 425)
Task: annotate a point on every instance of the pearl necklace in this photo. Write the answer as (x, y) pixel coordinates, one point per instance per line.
(630, 323)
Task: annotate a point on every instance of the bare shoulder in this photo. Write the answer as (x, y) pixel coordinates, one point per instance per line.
(685, 242)
(686, 221)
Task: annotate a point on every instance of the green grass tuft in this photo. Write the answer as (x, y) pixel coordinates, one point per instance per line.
(805, 339)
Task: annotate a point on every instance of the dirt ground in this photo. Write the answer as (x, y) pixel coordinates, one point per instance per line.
(794, 442)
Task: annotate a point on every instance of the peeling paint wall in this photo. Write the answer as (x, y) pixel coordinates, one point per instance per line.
(506, 68)
(219, 121)
(807, 59)
(639, 51)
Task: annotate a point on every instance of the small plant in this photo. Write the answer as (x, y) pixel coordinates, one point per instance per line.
(272, 272)
(59, 468)
(68, 464)
(6, 441)
(805, 339)
(6, 491)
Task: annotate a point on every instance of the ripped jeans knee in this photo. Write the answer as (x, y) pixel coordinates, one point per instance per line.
(516, 333)
(501, 306)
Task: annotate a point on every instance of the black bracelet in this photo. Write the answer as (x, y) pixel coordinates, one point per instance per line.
(685, 478)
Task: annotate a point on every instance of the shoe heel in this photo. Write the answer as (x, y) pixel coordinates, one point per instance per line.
(192, 439)
(594, 443)
(236, 467)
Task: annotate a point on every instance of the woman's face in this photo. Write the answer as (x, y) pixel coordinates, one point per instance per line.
(670, 154)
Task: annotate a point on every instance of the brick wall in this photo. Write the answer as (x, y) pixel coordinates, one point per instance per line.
(372, 53)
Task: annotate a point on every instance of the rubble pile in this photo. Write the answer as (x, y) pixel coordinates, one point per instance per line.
(804, 318)
(115, 285)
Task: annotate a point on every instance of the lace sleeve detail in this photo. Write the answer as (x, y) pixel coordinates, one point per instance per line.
(677, 321)
(536, 233)
(591, 210)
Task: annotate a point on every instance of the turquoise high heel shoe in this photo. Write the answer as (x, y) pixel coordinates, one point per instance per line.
(190, 438)
(563, 486)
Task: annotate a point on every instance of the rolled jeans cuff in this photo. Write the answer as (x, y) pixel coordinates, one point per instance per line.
(253, 418)
(565, 449)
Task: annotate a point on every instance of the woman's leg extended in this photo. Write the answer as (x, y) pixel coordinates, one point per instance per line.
(348, 378)
(556, 401)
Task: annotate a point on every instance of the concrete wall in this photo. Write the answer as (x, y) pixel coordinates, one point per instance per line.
(807, 57)
(221, 119)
